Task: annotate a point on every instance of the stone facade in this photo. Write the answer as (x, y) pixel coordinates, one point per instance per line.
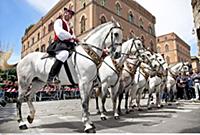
(134, 19)
(173, 48)
(196, 15)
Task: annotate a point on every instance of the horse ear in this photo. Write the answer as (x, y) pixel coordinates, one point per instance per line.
(114, 21)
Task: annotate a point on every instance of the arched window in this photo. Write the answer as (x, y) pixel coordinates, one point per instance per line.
(141, 23)
(83, 23)
(118, 9)
(143, 40)
(103, 2)
(43, 48)
(70, 6)
(130, 17)
(150, 29)
(166, 47)
(103, 19)
(168, 60)
(44, 31)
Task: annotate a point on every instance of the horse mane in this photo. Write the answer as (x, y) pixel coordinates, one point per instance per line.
(96, 29)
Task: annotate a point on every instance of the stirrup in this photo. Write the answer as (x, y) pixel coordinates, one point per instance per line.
(53, 81)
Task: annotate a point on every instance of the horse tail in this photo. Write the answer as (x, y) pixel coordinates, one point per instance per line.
(4, 56)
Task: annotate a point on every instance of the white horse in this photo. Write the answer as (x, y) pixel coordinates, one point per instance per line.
(110, 73)
(33, 71)
(128, 82)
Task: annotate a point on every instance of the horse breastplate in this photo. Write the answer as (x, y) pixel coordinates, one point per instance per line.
(95, 58)
(118, 67)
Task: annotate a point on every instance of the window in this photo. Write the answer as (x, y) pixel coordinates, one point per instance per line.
(141, 23)
(83, 23)
(50, 27)
(103, 19)
(168, 59)
(118, 9)
(142, 38)
(38, 36)
(103, 2)
(166, 47)
(28, 44)
(44, 30)
(70, 6)
(150, 29)
(32, 39)
(130, 17)
(43, 48)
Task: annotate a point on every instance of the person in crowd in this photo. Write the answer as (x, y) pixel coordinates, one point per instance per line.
(196, 79)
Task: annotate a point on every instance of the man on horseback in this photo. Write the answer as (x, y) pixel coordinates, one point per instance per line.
(64, 43)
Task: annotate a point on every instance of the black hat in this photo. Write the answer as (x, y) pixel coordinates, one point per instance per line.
(69, 10)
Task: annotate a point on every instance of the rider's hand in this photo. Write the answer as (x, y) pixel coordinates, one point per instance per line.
(76, 40)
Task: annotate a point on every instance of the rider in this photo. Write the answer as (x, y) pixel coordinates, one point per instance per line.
(64, 42)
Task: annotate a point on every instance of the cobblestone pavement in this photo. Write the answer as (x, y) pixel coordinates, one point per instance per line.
(64, 116)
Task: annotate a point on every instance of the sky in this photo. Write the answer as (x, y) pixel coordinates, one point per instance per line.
(17, 15)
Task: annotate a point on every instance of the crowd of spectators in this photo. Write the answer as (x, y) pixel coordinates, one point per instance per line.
(188, 86)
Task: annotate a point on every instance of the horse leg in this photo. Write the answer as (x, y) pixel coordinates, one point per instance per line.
(126, 101)
(114, 91)
(36, 85)
(149, 99)
(158, 99)
(138, 96)
(120, 100)
(97, 100)
(97, 105)
(85, 90)
(20, 99)
(103, 100)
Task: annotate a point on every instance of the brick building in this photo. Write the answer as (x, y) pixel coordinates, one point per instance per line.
(173, 48)
(196, 15)
(134, 19)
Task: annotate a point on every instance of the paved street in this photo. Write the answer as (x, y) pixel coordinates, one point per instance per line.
(64, 116)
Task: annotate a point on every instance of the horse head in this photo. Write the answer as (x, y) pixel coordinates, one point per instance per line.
(107, 35)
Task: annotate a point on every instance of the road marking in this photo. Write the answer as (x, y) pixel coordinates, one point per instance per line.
(69, 118)
(176, 110)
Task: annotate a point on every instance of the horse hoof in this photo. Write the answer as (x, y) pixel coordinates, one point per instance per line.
(169, 104)
(90, 131)
(23, 127)
(149, 108)
(139, 109)
(30, 120)
(116, 117)
(98, 112)
(127, 112)
(103, 118)
(93, 126)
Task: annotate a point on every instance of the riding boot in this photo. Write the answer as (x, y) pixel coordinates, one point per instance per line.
(74, 85)
(53, 74)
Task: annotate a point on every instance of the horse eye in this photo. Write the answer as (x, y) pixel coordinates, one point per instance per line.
(116, 34)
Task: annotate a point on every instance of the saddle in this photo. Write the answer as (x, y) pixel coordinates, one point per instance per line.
(67, 70)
